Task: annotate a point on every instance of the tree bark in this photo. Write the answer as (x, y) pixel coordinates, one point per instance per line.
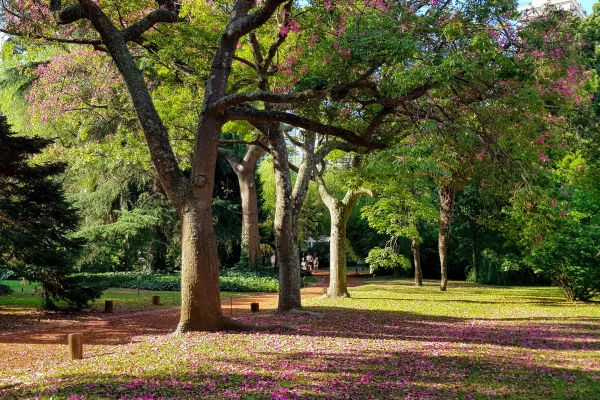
(416, 251)
(289, 202)
(244, 170)
(338, 281)
(283, 226)
(250, 232)
(474, 259)
(200, 298)
(339, 212)
(446, 194)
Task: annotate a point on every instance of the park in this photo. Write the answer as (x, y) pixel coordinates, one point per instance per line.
(279, 199)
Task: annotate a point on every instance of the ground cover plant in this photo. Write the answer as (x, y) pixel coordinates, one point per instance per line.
(389, 340)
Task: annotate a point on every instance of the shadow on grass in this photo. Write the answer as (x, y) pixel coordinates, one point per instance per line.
(541, 333)
(101, 329)
(377, 373)
(533, 300)
(534, 333)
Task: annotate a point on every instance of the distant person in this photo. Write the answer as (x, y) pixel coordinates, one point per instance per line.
(316, 263)
(309, 262)
(273, 261)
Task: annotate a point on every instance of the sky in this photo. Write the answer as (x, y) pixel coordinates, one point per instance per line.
(586, 4)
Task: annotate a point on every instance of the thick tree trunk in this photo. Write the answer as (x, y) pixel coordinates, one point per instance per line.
(200, 298)
(338, 281)
(446, 194)
(416, 251)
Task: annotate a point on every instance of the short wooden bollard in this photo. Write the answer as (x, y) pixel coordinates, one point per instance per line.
(75, 341)
(254, 307)
(156, 300)
(108, 306)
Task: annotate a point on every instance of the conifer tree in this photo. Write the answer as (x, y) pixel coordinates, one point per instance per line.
(36, 221)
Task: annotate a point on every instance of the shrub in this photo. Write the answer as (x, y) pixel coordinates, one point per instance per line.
(571, 261)
(231, 280)
(5, 290)
(386, 261)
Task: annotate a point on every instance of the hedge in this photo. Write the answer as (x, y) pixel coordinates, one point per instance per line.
(232, 282)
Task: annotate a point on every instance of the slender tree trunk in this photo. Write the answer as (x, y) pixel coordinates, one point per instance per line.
(338, 281)
(285, 244)
(244, 171)
(339, 212)
(250, 232)
(474, 259)
(416, 251)
(446, 194)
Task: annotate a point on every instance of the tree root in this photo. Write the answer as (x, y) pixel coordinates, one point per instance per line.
(297, 311)
(343, 296)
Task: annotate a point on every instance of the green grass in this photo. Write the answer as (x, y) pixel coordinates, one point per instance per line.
(27, 296)
(466, 300)
(390, 340)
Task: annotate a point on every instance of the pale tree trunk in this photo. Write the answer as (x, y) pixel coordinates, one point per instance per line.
(416, 251)
(244, 170)
(338, 281)
(446, 194)
(288, 202)
(250, 233)
(339, 212)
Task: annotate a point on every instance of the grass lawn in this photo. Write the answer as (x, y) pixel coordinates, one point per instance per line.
(389, 341)
(26, 296)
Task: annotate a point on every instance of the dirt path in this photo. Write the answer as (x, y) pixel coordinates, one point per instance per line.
(36, 346)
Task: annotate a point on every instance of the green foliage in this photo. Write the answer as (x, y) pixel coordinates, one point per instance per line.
(384, 261)
(5, 290)
(570, 258)
(230, 281)
(36, 222)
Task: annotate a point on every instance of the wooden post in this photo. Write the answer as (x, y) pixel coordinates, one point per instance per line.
(254, 307)
(75, 341)
(156, 300)
(108, 306)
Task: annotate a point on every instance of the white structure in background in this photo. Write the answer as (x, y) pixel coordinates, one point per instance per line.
(312, 241)
(534, 8)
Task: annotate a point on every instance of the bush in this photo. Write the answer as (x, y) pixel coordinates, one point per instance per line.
(231, 280)
(5, 290)
(571, 261)
(386, 261)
